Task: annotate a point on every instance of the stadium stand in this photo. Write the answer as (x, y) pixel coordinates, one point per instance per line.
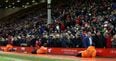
(76, 23)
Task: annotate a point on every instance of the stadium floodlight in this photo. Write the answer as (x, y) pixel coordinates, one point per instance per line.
(49, 11)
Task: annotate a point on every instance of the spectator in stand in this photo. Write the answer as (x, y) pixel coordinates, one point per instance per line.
(2, 41)
(88, 40)
(108, 40)
(99, 40)
(114, 41)
(69, 21)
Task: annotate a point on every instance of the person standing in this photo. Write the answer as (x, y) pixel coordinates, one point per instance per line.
(99, 40)
(88, 40)
(114, 41)
(108, 40)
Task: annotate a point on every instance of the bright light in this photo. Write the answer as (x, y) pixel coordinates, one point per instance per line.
(89, 14)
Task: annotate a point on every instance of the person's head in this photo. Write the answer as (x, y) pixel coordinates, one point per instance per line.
(114, 37)
(89, 34)
(98, 33)
(107, 34)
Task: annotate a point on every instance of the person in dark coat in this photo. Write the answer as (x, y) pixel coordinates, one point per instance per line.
(99, 40)
(88, 40)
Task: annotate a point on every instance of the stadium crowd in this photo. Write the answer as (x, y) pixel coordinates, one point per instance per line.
(75, 24)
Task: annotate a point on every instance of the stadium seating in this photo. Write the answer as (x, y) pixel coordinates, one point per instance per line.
(73, 23)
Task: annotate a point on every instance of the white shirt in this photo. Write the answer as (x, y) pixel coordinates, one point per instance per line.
(90, 40)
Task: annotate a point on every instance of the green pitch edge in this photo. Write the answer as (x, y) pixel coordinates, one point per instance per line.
(12, 57)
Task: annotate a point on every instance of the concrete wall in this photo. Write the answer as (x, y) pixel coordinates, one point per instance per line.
(8, 11)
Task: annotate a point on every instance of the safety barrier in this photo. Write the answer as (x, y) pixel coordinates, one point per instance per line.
(104, 52)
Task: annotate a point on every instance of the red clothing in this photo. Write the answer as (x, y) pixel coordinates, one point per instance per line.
(78, 20)
(62, 27)
(108, 42)
(37, 44)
